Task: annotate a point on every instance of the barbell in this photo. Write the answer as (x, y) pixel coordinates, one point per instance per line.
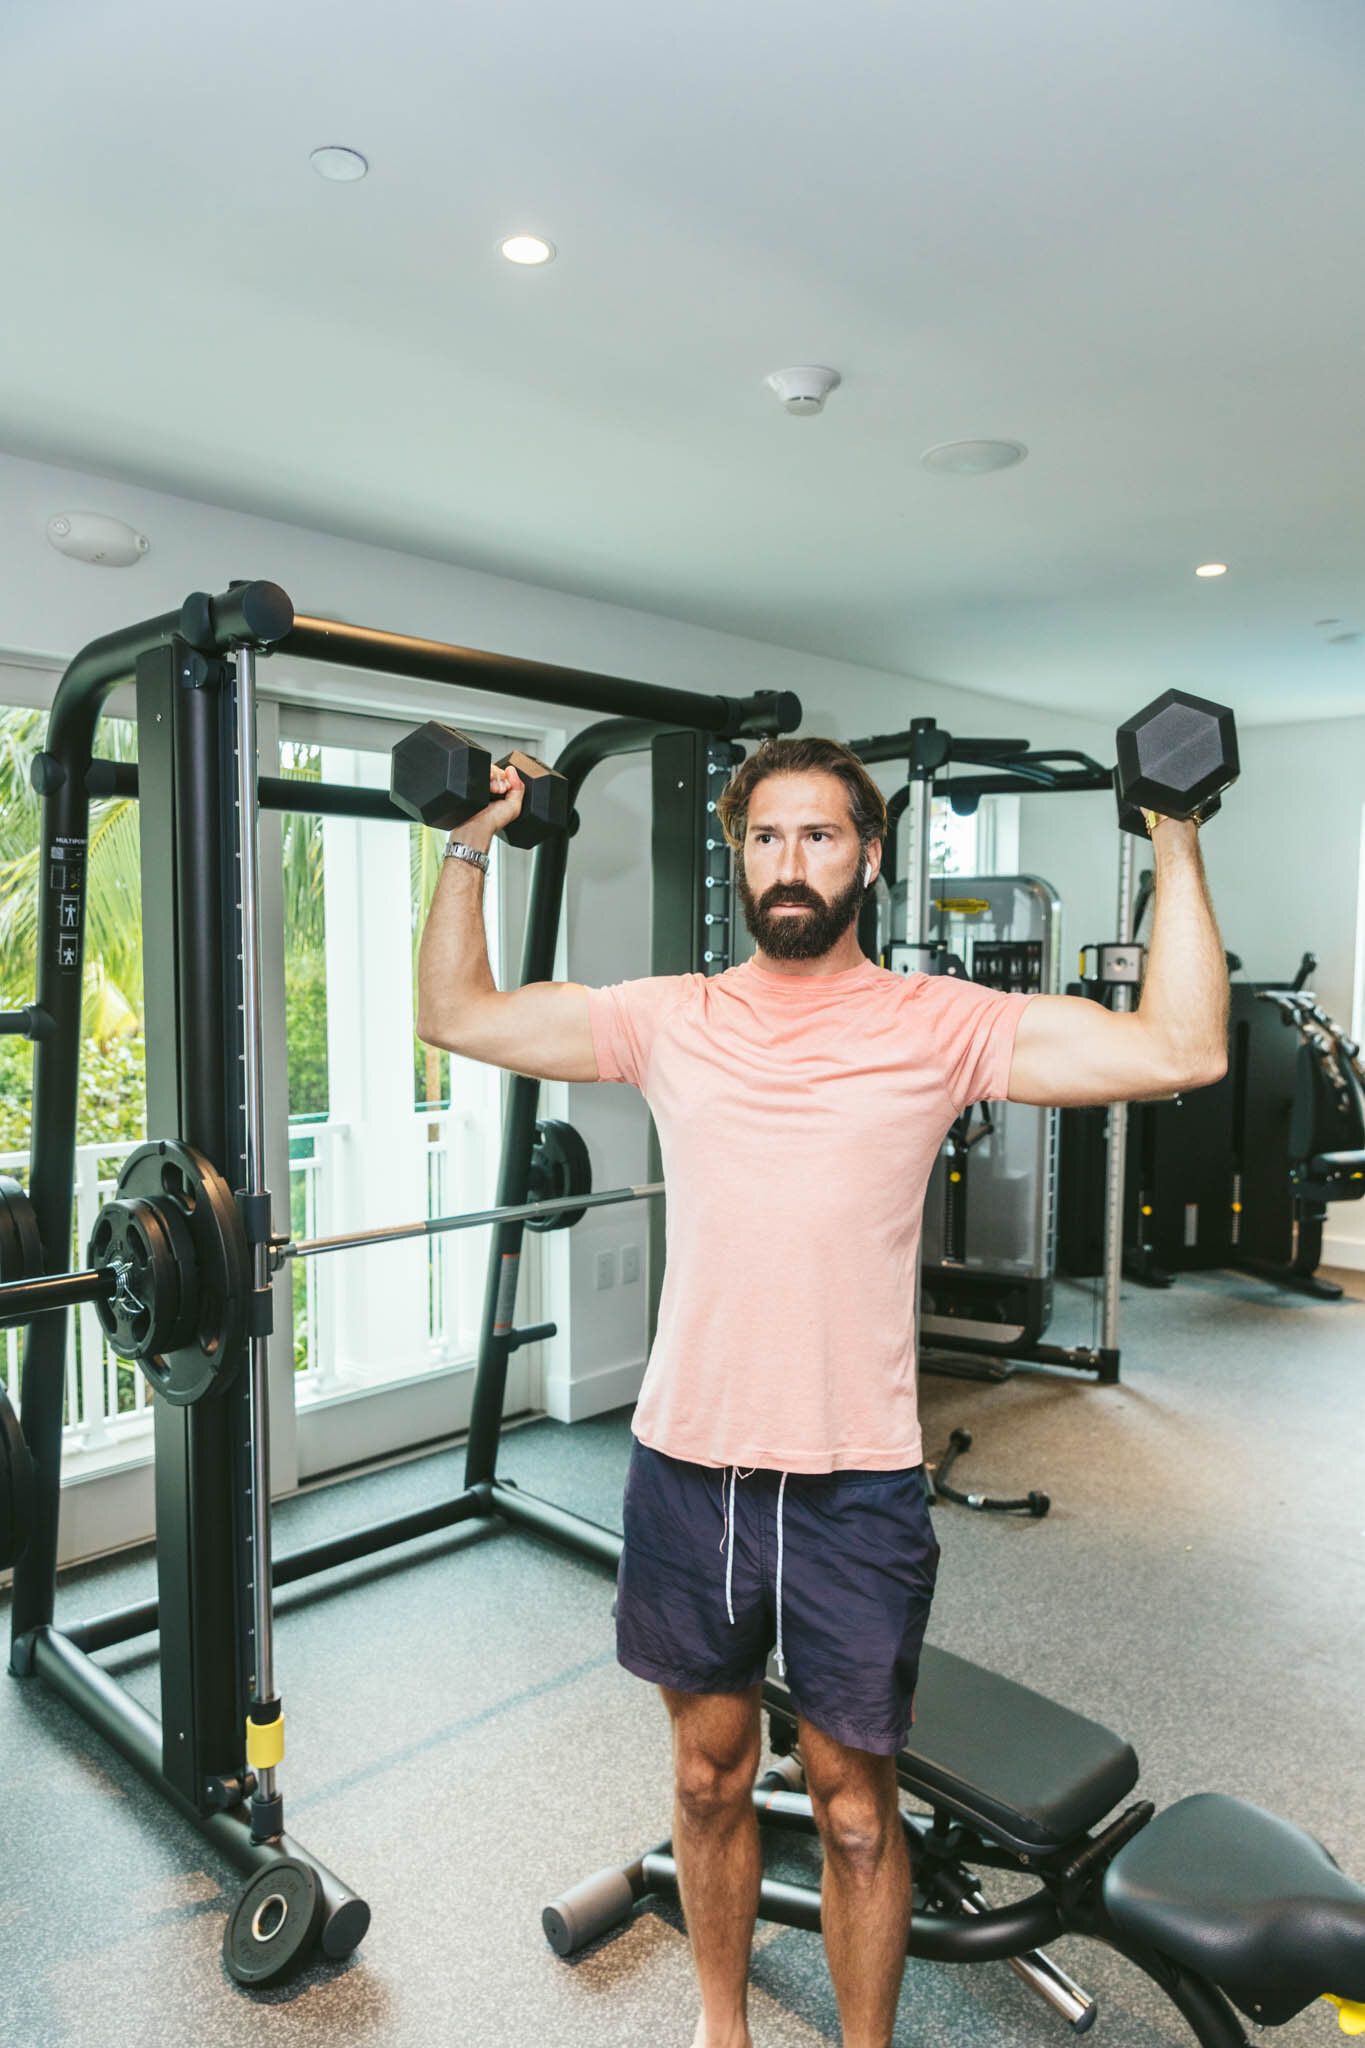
(170, 1255)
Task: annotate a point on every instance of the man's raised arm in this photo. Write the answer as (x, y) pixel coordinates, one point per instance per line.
(1072, 1051)
(542, 1030)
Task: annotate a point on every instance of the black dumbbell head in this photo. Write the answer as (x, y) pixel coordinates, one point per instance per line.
(545, 805)
(439, 776)
(1175, 757)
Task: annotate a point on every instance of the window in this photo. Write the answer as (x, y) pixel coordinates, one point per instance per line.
(106, 1409)
(952, 840)
(382, 1129)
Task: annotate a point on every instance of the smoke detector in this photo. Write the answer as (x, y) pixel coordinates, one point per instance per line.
(94, 537)
(804, 390)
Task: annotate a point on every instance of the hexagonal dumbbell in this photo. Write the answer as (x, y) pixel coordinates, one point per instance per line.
(1175, 757)
(439, 776)
(545, 805)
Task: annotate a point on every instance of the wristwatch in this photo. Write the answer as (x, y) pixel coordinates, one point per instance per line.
(457, 850)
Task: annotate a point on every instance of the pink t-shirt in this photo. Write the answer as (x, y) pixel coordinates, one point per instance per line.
(799, 1118)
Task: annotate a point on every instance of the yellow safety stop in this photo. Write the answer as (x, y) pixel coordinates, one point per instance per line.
(265, 1744)
(1351, 2015)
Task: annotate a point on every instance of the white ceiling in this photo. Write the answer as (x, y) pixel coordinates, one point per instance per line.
(1125, 232)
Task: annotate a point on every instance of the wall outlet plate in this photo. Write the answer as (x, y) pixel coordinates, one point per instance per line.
(630, 1263)
(606, 1271)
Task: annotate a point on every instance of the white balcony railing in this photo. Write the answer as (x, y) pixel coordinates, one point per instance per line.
(107, 1403)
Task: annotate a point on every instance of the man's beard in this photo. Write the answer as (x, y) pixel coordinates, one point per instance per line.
(784, 937)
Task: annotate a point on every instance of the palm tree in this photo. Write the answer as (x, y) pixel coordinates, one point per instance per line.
(112, 992)
(425, 846)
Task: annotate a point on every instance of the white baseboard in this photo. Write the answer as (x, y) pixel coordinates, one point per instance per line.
(105, 1512)
(592, 1393)
(1342, 1249)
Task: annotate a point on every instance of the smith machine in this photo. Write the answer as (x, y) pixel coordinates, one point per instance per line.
(180, 1261)
(1215, 1900)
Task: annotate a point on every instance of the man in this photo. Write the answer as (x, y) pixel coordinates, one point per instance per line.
(776, 1493)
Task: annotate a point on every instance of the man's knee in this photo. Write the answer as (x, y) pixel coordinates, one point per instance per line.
(709, 1790)
(858, 1829)
(715, 1761)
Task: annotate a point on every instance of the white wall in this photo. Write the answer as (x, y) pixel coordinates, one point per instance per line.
(1283, 856)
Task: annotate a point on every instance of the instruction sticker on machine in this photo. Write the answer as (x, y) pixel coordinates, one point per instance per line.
(66, 882)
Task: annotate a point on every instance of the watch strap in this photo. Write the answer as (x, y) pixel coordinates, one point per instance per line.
(455, 849)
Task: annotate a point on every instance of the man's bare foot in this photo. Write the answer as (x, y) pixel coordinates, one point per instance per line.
(736, 2037)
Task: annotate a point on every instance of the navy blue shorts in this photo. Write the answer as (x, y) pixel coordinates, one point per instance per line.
(858, 1565)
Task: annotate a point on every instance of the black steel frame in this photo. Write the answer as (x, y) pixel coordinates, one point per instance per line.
(1004, 767)
(185, 782)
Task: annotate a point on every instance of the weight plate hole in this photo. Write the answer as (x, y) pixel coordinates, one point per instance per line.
(269, 1917)
(211, 1325)
(178, 1187)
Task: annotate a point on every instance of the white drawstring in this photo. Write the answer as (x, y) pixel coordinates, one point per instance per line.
(730, 1546)
(781, 1660)
(727, 1544)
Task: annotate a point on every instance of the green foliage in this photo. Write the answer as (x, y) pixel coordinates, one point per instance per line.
(111, 1102)
(304, 920)
(112, 1094)
(305, 939)
(112, 995)
(16, 1093)
(21, 735)
(305, 1012)
(430, 1066)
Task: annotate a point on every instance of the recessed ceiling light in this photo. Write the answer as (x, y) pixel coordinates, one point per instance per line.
(1327, 622)
(527, 249)
(340, 166)
(1212, 569)
(973, 458)
(1342, 639)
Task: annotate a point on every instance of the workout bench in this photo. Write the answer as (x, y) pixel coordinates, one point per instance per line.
(1219, 1903)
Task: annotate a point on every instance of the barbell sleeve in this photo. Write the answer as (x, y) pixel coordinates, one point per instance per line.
(22, 1300)
(309, 1247)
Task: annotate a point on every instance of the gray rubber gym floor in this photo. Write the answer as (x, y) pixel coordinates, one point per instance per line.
(462, 1744)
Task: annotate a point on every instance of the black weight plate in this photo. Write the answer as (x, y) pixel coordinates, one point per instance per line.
(16, 1486)
(11, 1251)
(21, 1248)
(178, 1178)
(440, 776)
(156, 1311)
(274, 1926)
(559, 1166)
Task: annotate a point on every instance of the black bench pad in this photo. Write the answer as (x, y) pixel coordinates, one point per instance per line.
(1245, 1899)
(1027, 1773)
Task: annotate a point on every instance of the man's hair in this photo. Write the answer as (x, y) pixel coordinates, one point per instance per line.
(866, 803)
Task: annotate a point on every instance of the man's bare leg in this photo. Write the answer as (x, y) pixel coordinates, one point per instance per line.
(716, 1745)
(865, 1892)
